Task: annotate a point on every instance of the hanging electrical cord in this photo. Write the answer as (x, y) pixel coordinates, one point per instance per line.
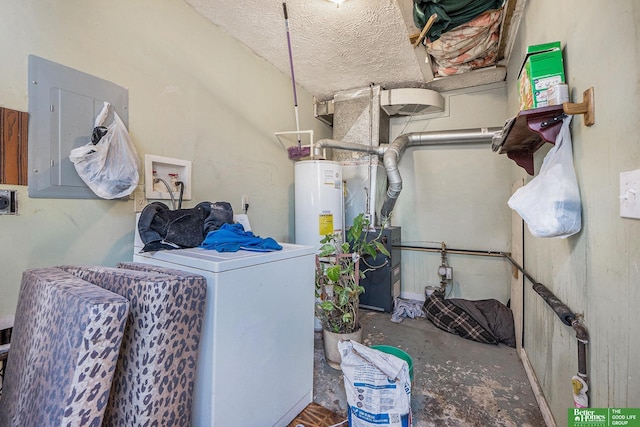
(373, 267)
(181, 184)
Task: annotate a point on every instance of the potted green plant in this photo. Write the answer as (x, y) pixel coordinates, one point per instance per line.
(338, 290)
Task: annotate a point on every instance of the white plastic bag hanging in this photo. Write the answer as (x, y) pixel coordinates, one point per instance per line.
(109, 166)
(550, 202)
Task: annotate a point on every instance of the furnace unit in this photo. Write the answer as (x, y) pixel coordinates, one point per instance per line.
(382, 285)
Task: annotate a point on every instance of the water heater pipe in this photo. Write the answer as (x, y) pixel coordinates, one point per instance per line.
(391, 153)
(343, 145)
(395, 150)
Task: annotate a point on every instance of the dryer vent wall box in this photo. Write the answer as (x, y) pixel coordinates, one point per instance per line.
(63, 106)
(255, 360)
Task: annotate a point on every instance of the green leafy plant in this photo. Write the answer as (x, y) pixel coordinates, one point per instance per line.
(338, 274)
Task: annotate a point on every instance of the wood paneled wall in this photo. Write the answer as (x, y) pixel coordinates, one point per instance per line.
(13, 146)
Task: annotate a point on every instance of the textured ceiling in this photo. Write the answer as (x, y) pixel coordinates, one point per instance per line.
(359, 43)
(334, 48)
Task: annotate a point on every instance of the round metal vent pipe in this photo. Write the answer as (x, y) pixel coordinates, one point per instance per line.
(394, 151)
(391, 153)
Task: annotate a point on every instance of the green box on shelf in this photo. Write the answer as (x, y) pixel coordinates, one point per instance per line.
(543, 67)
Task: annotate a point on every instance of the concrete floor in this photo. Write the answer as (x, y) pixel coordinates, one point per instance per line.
(457, 382)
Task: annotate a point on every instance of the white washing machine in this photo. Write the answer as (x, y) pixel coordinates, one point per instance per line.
(255, 363)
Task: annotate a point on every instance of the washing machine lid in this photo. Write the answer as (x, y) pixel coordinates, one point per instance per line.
(214, 261)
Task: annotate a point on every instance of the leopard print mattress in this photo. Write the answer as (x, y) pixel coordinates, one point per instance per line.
(154, 379)
(64, 349)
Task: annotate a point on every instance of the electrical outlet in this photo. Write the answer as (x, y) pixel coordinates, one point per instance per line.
(245, 202)
(8, 202)
(139, 201)
(4, 203)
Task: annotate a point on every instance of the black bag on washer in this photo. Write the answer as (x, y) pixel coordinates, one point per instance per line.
(161, 228)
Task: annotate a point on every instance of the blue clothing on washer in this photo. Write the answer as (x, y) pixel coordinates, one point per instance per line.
(232, 238)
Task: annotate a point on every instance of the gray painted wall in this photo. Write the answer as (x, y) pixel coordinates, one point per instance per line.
(194, 94)
(597, 272)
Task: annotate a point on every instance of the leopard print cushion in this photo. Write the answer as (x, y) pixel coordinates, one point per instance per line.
(154, 380)
(64, 348)
(148, 268)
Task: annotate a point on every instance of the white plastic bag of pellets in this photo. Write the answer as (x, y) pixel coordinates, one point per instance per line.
(378, 387)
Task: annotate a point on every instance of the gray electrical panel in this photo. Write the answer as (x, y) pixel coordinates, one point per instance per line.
(63, 105)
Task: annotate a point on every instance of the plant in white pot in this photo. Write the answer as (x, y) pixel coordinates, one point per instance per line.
(338, 290)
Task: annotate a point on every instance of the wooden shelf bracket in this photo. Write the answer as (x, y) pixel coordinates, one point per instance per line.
(586, 107)
(530, 129)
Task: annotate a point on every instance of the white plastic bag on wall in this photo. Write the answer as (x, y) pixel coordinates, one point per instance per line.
(550, 203)
(110, 166)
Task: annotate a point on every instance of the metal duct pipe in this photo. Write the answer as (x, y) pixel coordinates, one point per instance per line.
(394, 151)
(391, 153)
